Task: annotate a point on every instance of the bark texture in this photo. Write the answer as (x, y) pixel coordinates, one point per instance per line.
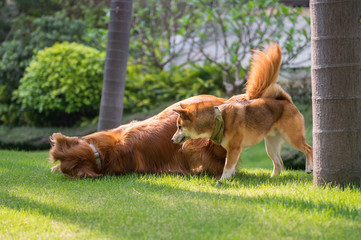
(336, 90)
(111, 107)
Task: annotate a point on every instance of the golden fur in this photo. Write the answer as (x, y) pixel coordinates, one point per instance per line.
(265, 112)
(143, 147)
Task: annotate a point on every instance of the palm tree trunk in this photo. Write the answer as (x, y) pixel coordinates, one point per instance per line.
(336, 90)
(111, 107)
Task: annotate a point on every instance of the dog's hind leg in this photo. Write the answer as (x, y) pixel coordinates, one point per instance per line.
(273, 147)
(293, 132)
(298, 141)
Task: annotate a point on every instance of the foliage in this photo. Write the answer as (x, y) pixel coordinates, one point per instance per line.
(36, 7)
(91, 14)
(14, 59)
(7, 12)
(146, 90)
(164, 33)
(45, 23)
(32, 34)
(298, 85)
(39, 204)
(237, 26)
(43, 99)
(90, 11)
(39, 24)
(61, 84)
(161, 31)
(222, 32)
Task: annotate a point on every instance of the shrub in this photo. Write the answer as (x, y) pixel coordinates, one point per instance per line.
(61, 84)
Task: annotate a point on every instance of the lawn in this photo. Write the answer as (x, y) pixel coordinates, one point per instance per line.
(38, 204)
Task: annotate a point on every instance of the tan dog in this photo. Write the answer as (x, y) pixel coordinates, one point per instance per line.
(241, 122)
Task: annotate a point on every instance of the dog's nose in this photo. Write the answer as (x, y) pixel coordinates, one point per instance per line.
(173, 140)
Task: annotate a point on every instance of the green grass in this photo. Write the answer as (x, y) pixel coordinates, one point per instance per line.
(38, 204)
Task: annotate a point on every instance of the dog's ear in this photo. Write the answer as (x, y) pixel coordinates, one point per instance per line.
(61, 141)
(183, 113)
(183, 105)
(60, 145)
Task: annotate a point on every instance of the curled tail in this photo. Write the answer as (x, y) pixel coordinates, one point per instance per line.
(264, 73)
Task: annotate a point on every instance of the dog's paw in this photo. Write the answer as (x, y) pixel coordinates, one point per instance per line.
(309, 169)
(276, 172)
(227, 175)
(55, 168)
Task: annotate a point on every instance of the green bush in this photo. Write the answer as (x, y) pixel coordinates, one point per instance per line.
(61, 84)
(146, 90)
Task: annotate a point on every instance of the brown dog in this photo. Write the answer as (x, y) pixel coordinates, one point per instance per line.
(143, 147)
(264, 112)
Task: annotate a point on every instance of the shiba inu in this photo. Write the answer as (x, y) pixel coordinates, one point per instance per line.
(265, 111)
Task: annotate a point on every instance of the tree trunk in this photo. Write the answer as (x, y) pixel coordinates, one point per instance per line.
(111, 107)
(336, 91)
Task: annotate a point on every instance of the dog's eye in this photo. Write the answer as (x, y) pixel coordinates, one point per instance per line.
(179, 127)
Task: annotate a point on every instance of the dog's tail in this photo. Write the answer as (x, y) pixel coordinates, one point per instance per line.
(264, 73)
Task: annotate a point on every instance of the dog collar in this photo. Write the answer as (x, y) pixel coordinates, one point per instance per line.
(97, 156)
(217, 135)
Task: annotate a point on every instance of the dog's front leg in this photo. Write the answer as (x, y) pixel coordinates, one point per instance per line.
(231, 163)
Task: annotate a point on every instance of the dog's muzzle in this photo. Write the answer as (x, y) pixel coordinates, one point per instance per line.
(179, 139)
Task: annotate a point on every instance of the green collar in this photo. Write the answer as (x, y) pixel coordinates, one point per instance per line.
(217, 135)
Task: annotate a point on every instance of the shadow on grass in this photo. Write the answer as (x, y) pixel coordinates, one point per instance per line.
(257, 177)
